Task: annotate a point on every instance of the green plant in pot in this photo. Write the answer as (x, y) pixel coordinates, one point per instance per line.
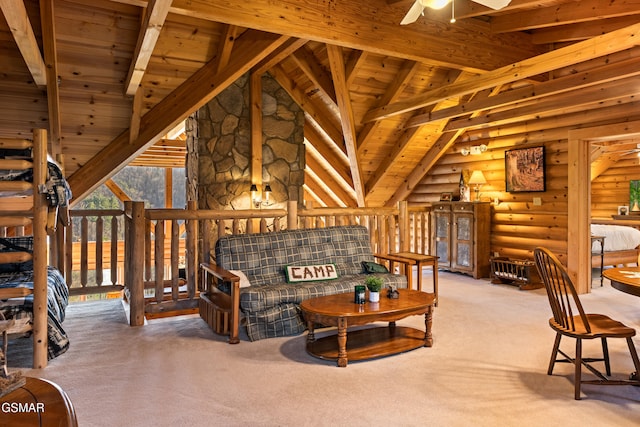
(374, 284)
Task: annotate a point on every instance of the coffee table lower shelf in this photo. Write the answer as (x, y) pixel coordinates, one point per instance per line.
(369, 343)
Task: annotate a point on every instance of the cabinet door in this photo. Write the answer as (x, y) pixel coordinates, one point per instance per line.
(462, 256)
(442, 237)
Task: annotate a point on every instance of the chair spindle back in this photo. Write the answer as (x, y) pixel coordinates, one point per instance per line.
(563, 297)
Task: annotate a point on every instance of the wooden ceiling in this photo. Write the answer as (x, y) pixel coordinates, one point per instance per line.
(383, 102)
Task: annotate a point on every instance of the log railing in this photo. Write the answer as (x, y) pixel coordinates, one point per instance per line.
(91, 245)
(157, 238)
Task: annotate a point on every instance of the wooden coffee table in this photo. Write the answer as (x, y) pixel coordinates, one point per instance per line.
(341, 311)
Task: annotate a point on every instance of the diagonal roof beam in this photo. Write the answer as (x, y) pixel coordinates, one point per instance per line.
(442, 145)
(336, 62)
(196, 91)
(598, 94)
(401, 81)
(154, 16)
(16, 15)
(571, 82)
(314, 71)
(605, 44)
(562, 14)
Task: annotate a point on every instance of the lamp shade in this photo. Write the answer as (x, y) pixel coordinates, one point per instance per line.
(477, 178)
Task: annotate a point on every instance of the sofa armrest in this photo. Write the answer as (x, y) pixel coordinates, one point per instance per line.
(228, 303)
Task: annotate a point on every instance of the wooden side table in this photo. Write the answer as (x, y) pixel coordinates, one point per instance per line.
(409, 259)
(601, 240)
(47, 405)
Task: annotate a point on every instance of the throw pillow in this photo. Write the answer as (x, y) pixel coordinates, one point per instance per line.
(374, 267)
(310, 273)
(244, 282)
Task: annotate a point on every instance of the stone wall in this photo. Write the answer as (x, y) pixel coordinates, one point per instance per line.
(224, 133)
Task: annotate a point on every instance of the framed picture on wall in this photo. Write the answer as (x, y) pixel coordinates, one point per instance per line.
(634, 196)
(446, 197)
(524, 169)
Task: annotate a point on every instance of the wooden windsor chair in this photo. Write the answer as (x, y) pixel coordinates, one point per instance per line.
(569, 319)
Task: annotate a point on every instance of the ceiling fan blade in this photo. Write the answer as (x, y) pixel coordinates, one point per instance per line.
(413, 14)
(493, 4)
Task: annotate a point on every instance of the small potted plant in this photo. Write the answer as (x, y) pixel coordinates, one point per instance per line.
(374, 284)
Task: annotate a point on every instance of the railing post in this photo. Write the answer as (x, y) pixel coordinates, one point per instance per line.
(136, 264)
(292, 215)
(403, 226)
(192, 253)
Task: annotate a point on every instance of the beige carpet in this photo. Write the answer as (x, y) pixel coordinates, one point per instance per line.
(486, 368)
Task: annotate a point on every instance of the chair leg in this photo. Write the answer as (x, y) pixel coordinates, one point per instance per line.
(634, 357)
(554, 353)
(605, 353)
(578, 363)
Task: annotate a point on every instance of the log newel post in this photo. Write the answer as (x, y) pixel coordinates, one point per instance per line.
(136, 257)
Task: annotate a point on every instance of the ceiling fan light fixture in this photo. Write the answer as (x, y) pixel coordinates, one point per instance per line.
(436, 4)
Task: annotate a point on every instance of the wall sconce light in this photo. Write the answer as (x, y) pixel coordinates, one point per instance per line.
(477, 178)
(255, 198)
(474, 150)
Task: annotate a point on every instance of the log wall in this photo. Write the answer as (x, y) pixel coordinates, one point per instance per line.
(517, 224)
(611, 189)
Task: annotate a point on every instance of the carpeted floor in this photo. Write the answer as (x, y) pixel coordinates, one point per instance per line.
(487, 368)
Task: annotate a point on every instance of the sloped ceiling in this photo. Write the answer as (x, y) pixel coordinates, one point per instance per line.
(383, 102)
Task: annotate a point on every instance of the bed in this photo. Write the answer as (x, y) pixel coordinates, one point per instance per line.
(621, 245)
(33, 296)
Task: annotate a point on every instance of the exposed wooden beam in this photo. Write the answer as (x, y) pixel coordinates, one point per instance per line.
(314, 71)
(581, 31)
(336, 62)
(117, 191)
(615, 41)
(51, 62)
(225, 47)
(572, 82)
(255, 95)
(195, 92)
(315, 110)
(280, 54)
(136, 115)
(562, 14)
(552, 105)
(336, 158)
(329, 183)
(314, 184)
(154, 16)
(16, 16)
(402, 80)
(368, 23)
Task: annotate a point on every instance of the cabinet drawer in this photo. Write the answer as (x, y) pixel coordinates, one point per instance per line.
(445, 207)
(463, 207)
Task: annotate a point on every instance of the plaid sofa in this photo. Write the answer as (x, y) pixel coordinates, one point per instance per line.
(271, 305)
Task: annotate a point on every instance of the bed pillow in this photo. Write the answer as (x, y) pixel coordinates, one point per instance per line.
(311, 273)
(244, 282)
(16, 244)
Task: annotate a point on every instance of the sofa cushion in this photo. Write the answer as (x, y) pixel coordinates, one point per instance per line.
(259, 298)
(263, 257)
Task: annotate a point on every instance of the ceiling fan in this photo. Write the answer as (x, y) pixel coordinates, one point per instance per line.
(419, 6)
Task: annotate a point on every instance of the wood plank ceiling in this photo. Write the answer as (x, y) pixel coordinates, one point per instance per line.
(383, 102)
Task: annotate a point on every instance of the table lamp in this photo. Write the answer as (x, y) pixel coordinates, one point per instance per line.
(477, 179)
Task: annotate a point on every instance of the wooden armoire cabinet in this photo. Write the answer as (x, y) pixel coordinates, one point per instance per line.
(460, 237)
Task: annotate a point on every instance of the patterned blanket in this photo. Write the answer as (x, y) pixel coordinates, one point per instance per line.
(21, 309)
